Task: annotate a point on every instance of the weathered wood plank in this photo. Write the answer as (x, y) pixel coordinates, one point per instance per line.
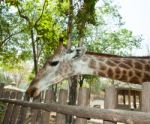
(45, 114)
(61, 118)
(9, 109)
(23, 112)
(6, 95)
(1, 96)
(35, 112)
(146, 97)
(110, 101)
(1, 89)
(83, 100)
(16, 109)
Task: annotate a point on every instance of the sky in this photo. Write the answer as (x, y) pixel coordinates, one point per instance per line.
(136, 15)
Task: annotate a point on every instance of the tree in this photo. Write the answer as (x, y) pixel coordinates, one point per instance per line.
(12, 50)
(39, 38)
(32, 23)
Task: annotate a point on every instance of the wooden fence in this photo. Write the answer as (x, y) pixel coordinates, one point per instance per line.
(37, 111)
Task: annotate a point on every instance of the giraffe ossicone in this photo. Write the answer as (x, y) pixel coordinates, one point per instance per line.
(65, 64)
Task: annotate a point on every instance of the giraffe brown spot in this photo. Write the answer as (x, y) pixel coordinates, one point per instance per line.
(148, 61)
(117, 76)
(117, 70)
(141, 61)
(123, 78)
(146, 77)
(124, 72)
(129, 62)
(138, 73)
(110, 72)
(147, 67)
(116, 61)
(130, 73)
(138, 65)
(110, 63)
(134, 80)
(124, 66)
(102, 66)
(101, 74)
(92, 64)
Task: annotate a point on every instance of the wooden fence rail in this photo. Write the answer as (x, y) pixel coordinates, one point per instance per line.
(128, 117)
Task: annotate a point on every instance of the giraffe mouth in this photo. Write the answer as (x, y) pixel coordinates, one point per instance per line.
(32, 92)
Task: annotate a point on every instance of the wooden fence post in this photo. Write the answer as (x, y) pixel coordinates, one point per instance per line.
(1, 89)
(35, 112)
(6, 94)
(9, 109)
(146, 97)
(110, 101)
(1, 96)
(15, 112)
(46, 115)
(23, 112)
(61, 118)
(83, 100)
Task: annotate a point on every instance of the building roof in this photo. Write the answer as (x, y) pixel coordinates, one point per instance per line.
(129, 86)
(11, 87)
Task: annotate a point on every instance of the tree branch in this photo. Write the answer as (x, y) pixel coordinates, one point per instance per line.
(69, 25)
(41, 13)
(11, 35)
(23, 16)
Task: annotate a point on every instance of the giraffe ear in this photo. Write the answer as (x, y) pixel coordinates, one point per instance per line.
(80, 51)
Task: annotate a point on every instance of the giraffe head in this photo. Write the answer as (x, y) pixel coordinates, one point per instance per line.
(60, 66)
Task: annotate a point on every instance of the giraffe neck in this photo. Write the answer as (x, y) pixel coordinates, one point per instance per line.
(127, 69)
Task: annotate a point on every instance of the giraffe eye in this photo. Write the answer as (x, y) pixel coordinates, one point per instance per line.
(70, 51)
(53, 63)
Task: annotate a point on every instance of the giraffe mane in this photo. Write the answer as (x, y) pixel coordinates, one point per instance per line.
(116, 56)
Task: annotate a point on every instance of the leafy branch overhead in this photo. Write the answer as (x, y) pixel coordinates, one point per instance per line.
(85, 15)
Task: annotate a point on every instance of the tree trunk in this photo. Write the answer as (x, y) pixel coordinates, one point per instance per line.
(73, 90)
(54, 89)
(72, 95)
(69, 26)
(73, 80)
(34, 52)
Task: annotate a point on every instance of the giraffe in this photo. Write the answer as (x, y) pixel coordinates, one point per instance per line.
(65, 64)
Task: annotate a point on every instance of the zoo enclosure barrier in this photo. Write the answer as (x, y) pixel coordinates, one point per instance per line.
(19, 111)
